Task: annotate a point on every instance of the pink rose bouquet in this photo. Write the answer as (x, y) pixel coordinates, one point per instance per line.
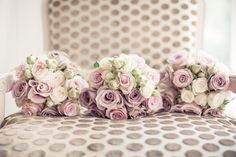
(194, 84)
(122, 87)
(48, 85)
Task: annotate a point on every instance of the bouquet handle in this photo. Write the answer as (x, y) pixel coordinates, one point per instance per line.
(6, 82)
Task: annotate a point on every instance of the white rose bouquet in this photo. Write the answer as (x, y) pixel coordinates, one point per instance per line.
(122, 87)
(201, 85)
(48, 85)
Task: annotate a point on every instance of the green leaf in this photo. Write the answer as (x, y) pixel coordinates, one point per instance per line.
(96, 65)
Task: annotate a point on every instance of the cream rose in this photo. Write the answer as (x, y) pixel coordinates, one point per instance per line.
(199, 85)
(187, 96)
(106, 63)
(127, 82)
(55, 79)
(39, 70)
(201, 99)
(58, 94)
(215, 99)
(147, 89)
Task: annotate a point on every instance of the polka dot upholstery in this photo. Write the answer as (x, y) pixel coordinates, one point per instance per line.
(89, 30)
(164, 134)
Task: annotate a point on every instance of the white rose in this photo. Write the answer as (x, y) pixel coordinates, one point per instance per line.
(106, 63)
(58, 94)
(199, 85)
(187, 96)
(201, 99)
(215, 99)
(55, 79)
(147, 89)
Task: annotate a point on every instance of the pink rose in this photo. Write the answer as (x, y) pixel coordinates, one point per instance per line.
(117, 113)
(77, 82)
(107, 99)
(153, 75)
(94, 111)
(137, 112)
(39, 91)
(182, 78)
(153, 104)
(39, 70)
(178, 59)
(95, 79)
(219, 82)
(204, 59)
(169, 98)
(215, 112)
(20, 89)
(87, 97)
(49, 112)
(20, 71)
(126, 81)
(68, 108)
(32, 109)
(134, 98)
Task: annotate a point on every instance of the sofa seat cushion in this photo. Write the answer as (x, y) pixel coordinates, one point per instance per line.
(164, 134)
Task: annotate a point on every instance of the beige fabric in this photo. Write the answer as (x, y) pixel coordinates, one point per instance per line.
(90, 30)
(165, 134)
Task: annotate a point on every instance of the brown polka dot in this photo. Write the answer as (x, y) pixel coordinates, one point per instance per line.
(206, 136)
(190, 141)
(45, 132)
(77, 141)
(80, 132)
(153, 141)
(152, 132)
(221, 133)
(184, 125)
(75, 154)
(116, 132)
(61, 136)
(210, 147)
(97, 136)
(41, 141)
(37, 153)
(171, 136)
(187, 132)
(227, 142)
(193, 153)
(114, 153)
(99, 128)
(65, 128)
(198, 122)
(229, 153)
(57, 147)
(134, 147)
(134, 128)
(203, 129)
(134, 135)
(10, 132)
(154, 153)
(5, 141)
(96, 147)
(217, 127)
(172, 147)
(20, 147)
(115, 141)
(168, 128)
(117, 125)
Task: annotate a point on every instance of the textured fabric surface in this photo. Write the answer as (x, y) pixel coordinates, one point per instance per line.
(165, 134)
(90, 30)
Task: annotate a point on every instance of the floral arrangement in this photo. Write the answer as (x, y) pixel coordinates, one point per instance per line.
(194, 84)
(122, 87)
(48, 85)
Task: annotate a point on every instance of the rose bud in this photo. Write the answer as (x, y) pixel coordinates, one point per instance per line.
(52, 64)
(73, 93)
(113, 84)
(31, 59)
(212, 70)
(69, 74)
(28, 73)
(196, 68)
(50, 103)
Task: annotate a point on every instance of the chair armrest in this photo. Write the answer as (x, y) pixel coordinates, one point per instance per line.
(6, 82)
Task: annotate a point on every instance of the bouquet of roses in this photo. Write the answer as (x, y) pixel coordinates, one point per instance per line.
(122, 87)
(194, 84)
(48, 85)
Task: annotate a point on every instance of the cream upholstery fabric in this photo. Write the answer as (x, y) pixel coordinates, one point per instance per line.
(164, 134)
(89, 30)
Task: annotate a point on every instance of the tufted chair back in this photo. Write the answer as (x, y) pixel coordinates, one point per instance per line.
(88, 30)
